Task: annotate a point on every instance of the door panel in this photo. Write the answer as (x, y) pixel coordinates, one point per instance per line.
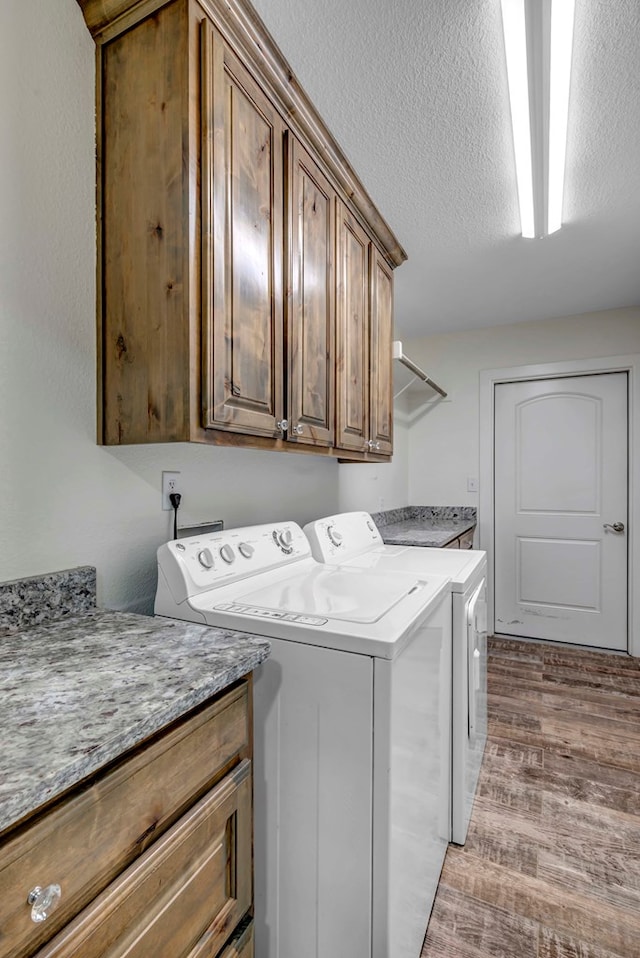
(311, 313)
(560, 476)
(577, 434)
(242, 234)
(352, 369)
(381, 404)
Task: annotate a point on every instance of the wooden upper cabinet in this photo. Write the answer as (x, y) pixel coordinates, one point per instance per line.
(381, 336)
(310, 314)
(242, 242)
(143, 215)
(244, 274)
(352, 352)
(364, 381)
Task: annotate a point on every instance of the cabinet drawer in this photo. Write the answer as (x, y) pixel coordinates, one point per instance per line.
(240, 946)
(466, 540)
(82, 843)
(192, 886)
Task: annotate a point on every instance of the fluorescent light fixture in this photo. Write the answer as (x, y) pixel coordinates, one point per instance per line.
(538, 38)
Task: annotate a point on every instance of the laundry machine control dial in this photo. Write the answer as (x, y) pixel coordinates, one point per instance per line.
(284, 539)
(205, 558)
(246, 549)
(335, 536)
(227, 554)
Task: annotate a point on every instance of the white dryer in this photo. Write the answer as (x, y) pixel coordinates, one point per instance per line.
(352, 539)
(351, 736)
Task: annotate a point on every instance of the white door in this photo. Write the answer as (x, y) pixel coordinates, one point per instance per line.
(560, 486)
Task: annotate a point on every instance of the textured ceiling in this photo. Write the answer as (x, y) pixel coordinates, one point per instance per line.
(415, 92)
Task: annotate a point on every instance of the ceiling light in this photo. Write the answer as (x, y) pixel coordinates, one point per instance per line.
(538, 38)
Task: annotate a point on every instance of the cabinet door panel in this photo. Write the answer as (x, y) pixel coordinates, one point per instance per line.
(143, 193)
(311, 302)
(381, 405)
(242, 246)
(352, 354)
(240, 946)
(194, 884)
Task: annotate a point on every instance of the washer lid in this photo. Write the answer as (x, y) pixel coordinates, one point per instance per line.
(346, 594)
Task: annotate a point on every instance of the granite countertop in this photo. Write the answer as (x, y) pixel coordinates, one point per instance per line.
(433, 526)
(78, 691)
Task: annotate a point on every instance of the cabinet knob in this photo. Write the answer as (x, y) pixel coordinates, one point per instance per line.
(43, 901)
(282, 424)
(298, 430)
(373, 444)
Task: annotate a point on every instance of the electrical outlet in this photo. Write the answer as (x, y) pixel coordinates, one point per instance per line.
(170, 483)
(472, 485)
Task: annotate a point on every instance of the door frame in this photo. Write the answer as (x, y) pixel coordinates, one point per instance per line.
(489, 379)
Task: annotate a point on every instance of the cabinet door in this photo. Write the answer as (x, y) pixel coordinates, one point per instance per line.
(242, 237)
(190, 889)
(381, 332)
(310, 322)
(352, 353)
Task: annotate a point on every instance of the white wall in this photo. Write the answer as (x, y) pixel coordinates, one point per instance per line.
(444, 439)
(64, 500)
(380, 486)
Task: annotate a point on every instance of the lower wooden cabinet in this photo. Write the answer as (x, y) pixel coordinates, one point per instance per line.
(125, 891)
(240, 946)
(465, 541)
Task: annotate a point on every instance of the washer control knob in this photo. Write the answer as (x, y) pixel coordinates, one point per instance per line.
(335, 536)
(227, 554)
(283, 539)
(205, 558)
(246, 549)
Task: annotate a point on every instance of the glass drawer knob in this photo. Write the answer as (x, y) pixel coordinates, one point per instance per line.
(43, 901)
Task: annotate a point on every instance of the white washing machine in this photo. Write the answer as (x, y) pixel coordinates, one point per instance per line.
(352, 539)
(351, 736)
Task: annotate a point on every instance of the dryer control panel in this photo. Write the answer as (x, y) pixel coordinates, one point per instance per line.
(336, 538)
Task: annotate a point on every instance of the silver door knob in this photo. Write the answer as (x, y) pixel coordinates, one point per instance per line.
(298, 430)
(615, 526)
(282, 425)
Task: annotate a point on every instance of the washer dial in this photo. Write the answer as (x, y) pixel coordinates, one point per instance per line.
(284, 539)
(227, 554)
(205, 558)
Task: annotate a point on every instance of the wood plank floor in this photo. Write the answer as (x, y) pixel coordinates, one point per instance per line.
(551, 866)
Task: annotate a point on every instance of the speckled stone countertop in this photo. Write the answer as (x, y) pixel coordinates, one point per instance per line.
(78, 692)
(434, 526)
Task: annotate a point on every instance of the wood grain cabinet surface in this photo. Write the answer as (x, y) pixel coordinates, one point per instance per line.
(310, 314)
(364, 334)
(222, 199)
(153, 857)
(242, 227)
